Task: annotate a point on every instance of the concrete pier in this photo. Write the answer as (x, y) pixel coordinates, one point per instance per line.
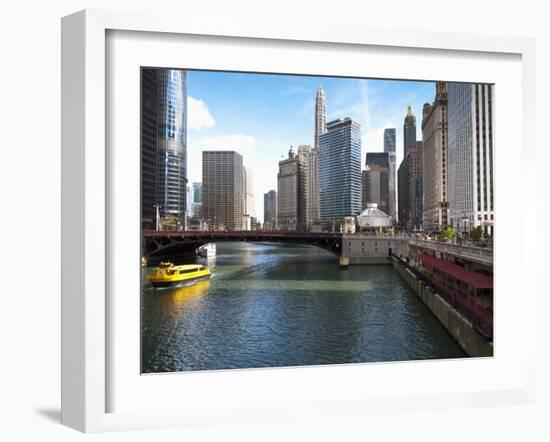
(343, 262)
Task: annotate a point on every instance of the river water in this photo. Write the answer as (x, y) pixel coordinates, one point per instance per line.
(270, 305)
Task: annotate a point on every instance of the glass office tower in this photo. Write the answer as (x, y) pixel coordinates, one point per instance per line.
(340, 170)
(163, 145)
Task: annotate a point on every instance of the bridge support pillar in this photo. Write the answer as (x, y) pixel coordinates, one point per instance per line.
(343, 262)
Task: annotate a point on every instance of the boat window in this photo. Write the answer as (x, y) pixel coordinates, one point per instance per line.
(194, 269)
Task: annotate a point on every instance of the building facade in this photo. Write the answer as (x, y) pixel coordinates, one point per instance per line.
(196, 206)
(290, 193)
(471, 156)
(223, 190)
(270, 210)
(304, 153)
(376, 187)
(435, 203)
(409, 131)
(410, 189)
(340, 170)
(249, 203)
(312, 187)
(414, 168)
(402, 192)
(197, 192)
(377, 158)
(320, 116)
(389, 147)
(163, 147)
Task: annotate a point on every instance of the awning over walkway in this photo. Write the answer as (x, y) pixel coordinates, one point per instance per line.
(474, 279)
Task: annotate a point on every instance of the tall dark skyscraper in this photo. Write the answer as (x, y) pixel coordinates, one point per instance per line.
(270, 209)
(410, 189)
(163, 145)
(409, 131)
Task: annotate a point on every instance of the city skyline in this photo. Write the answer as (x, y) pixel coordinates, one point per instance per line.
(276, 111)
(332, 214)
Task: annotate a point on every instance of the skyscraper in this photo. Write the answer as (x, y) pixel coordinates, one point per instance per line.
(340, 170)
(223, 189)
(249, 200)
(378, 158)
(149, 149)
(196, 201)
(389, 147)
(389, 140)
(163, 145)
(410, 188)
(402, 193)
(289, 197)
(415, 185)
(471, 156)
(376, 187)
(304, 151)
(435, 205)
(197, 193)
(270, 210)
(312, 199)
(409, 131)
(320, 116)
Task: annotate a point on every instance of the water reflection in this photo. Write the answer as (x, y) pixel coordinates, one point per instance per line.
(272, 305)
(191, 294)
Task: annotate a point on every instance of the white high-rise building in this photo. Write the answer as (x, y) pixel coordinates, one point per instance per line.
(435, 199)
(471, 156)
(320, 115)
(249, 200)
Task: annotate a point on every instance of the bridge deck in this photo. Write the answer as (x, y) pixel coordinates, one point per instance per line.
(158, 240)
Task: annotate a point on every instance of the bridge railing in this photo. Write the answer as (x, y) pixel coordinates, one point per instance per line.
(480, 253)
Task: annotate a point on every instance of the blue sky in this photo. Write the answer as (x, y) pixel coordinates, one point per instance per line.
(261, 115)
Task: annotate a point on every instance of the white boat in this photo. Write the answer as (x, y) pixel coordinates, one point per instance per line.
(207, 250)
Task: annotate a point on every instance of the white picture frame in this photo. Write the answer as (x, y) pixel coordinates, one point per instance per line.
(86, 314)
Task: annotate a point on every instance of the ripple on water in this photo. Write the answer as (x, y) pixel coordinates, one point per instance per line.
(273, 305)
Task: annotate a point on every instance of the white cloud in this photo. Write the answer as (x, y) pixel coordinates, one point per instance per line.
(199, 117)
(239, 142)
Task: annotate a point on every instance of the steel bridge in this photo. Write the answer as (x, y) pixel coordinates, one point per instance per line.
(164, 243)
(159, 244)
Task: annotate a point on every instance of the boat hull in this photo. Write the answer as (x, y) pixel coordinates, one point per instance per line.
(178, 282)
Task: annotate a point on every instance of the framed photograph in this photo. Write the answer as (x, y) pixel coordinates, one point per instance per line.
(269, 223)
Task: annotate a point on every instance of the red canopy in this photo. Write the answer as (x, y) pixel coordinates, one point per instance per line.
(475, 279)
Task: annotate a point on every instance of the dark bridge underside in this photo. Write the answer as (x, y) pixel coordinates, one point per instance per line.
(173, 243)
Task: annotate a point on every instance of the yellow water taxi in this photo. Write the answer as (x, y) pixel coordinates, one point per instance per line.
(168, 274)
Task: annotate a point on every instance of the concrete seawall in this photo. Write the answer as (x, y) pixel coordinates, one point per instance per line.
(460, 329)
